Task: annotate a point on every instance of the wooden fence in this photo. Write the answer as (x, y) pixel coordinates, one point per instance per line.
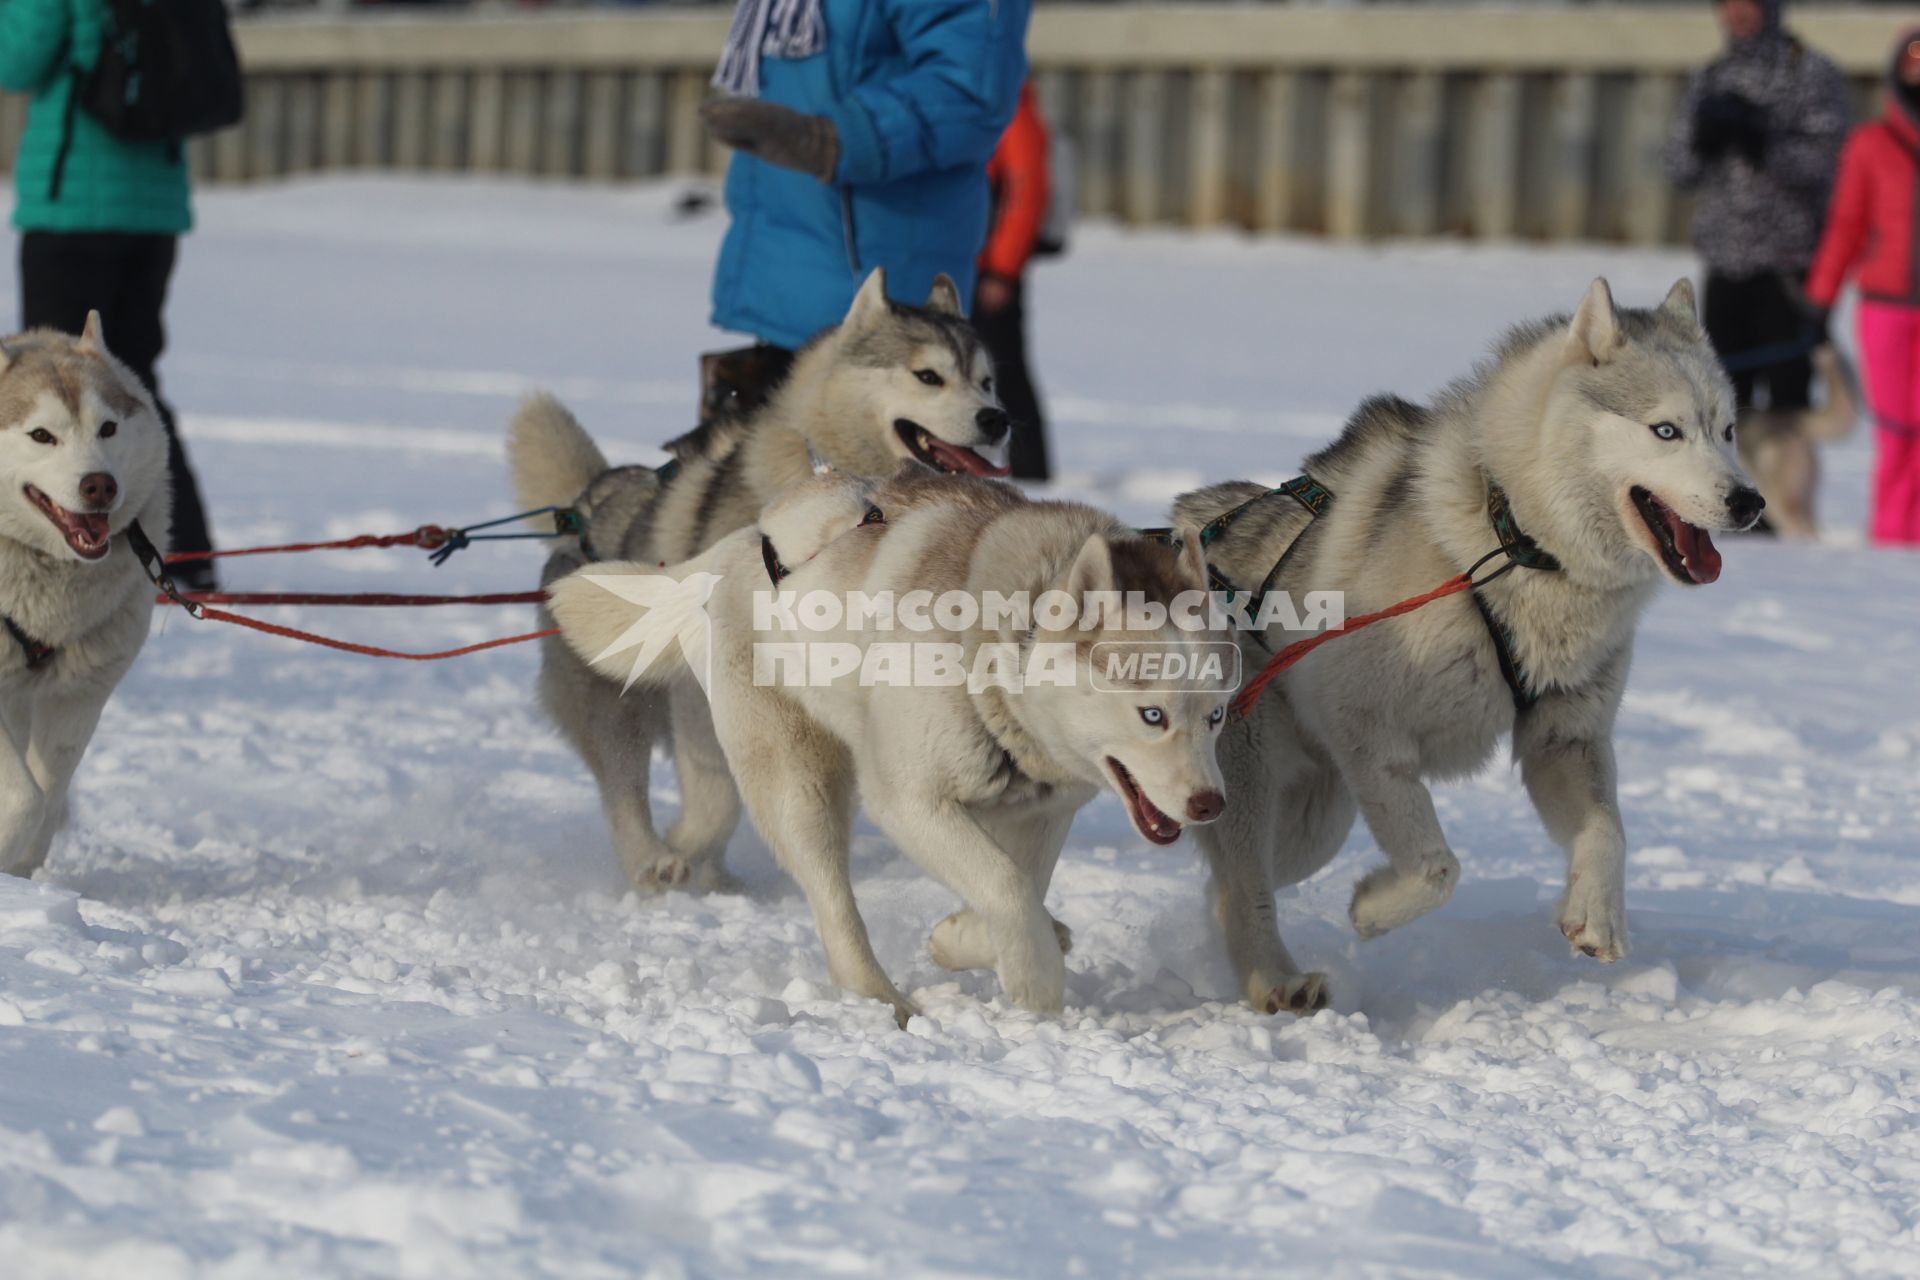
(1405, 120)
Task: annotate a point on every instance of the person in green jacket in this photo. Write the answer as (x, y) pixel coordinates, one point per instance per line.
(100, 219)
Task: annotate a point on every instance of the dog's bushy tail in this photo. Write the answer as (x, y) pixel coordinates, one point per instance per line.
(550, 455)
(638, 623)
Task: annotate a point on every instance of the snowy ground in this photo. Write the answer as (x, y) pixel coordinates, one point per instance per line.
(335, 974)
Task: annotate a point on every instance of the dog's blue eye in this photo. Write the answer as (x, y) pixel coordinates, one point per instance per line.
(40, 435)
(1219, 714)
(1153, 716)
(929, 377)
(1666, 431)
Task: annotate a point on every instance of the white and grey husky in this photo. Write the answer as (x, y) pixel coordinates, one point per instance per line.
(1598, 451)
(976, 781)
(890, 382)
(84, 455)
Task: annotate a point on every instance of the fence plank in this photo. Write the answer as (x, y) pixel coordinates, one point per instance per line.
(447, 136)
(336, 121)
(600, 157)
(1418, 124)
(1494, 154)
(487, 121)
(1146, 176)
(1208, 100)
(303, 124)
(1274, 151)
(1349, 143)
(522, 151)
(1100, 145)
(370, 119)
(1569, 176)
(410, 121)
(645, 152)
(265, 127)
(1649, 200)
(560, 124)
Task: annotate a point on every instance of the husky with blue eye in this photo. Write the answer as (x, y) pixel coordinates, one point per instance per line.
(1591, 457)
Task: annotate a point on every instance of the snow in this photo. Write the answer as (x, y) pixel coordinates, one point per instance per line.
(335, 974)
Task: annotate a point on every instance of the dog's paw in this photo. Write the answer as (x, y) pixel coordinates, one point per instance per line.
(1593, 916)
(903, 1009)
(1065, 935)
(960, 943)
(663, 874)
(1388, 898)
(1296, 993)
(1041, 986)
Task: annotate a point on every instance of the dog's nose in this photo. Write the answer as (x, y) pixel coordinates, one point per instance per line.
(98, 490)
(1744, 506)
(994, 423)
(1206, 806)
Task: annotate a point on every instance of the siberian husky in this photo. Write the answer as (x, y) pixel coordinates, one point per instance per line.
(1598, 450)
(976, 780)
(890, 382)
(84, 455)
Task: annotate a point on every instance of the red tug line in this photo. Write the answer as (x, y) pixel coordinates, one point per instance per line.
(427, 537)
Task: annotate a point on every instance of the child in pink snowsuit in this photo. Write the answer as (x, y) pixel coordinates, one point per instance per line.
(1872, 227)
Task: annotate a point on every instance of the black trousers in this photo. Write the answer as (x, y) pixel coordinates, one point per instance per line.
(1748, 315)
(1005, 334)
(64, 275)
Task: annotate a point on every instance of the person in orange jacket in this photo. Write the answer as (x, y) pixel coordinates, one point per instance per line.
(1022, 184)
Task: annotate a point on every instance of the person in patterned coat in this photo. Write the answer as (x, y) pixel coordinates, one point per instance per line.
(1757, 138)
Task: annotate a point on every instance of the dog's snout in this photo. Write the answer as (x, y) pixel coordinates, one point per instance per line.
(98, 489)
(1744, 506)
(994, 424)
(1205, 806)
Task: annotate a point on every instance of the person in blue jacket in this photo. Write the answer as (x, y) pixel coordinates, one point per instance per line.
(862, 131)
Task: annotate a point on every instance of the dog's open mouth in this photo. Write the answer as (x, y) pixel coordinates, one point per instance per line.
(1686, 550)
(85, 532)
(1147, 819)
(940, 455)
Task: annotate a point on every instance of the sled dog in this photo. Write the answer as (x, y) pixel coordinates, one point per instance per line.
(1778, 446)
(85, 455)
(891, 382)
(1594, 454)
(976, 781)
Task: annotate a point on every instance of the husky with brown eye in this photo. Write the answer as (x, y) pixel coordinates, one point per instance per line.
(83, 458)
(892, 383)
(1586, 463)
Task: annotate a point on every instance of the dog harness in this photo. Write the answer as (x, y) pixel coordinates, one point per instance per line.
(37, 652)
(1521, 551)
(771, 558)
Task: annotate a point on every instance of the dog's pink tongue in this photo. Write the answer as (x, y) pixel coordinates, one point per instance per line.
(963, 460)
(1696, 547)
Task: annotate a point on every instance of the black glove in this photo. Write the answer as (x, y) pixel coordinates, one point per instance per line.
(1819, 325)
(777, 135)
(1730, 122)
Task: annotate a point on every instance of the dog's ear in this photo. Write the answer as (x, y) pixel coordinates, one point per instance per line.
(1193, 556)
(93, 338)
(1092, 569)
(1680, 307)
(871, 302)
(1595, 332)
(944, 297)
